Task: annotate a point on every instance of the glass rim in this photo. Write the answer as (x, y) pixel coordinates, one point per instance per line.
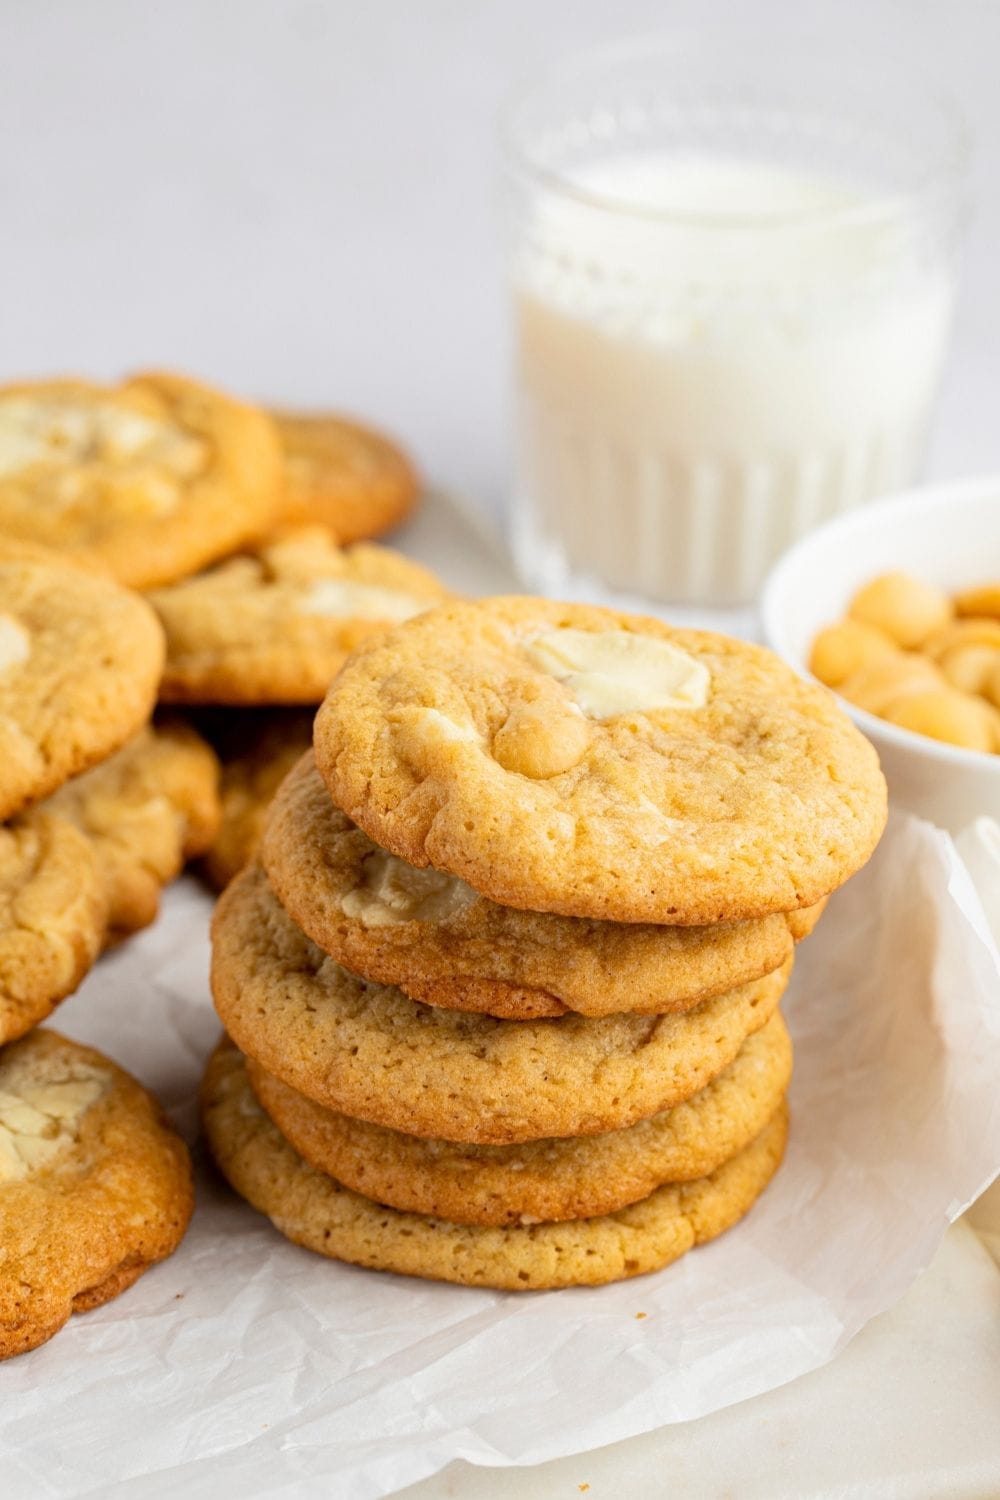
(946, 168)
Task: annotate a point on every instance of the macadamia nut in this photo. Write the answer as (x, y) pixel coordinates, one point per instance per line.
(842, 649)
(903, 607)
(882, 683)
(946, 714)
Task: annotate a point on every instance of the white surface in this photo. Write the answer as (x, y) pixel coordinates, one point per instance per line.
(297, 196)
(908, 1412)
(948, 535)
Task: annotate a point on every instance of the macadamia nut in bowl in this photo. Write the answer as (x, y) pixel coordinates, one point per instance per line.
(896, 607)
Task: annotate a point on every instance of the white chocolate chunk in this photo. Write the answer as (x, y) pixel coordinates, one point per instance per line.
(38, 1121)
(613, 672)
(34, 432)
(394, 891)
(60, 432)
(126, 434)
(15, 642)
(437, 727)
(425, 736)
(345, 598)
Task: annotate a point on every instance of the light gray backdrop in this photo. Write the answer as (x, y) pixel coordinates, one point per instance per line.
(297, 197)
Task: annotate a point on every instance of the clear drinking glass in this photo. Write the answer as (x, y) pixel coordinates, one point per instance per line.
(732, 277)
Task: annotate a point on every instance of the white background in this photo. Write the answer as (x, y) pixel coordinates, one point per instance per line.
(296, 198)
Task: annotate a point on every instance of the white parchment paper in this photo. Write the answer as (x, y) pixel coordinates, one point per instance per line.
(979, 847)
(247, 1366)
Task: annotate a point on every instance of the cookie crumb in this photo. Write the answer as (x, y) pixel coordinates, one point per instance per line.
(641, 1315)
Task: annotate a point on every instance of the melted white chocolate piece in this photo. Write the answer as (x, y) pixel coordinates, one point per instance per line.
(15, 642)
(81, 438)
(38, 1121)
(345, 598)
(394, 891)
(613, 672)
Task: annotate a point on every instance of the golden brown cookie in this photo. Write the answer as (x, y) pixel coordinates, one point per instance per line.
(575, 1178)
(274, 625)
(314, 1210)
(146, 810)
(80, 659)
(53, 917)
(257, 747)
(802, 922)
(370, 1052)
(94, 1185)
(577, 760)
(440, 942)
(155, 477)
(345, 476)
(14, 549)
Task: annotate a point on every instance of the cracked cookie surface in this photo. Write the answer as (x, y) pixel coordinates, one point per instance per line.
(94, 1185)
(545, 1180)
(441, 942)
(315, 1211)
(154, 477)
(369, 1051)
(344, 475)
(576, 760)
(274, 624)
(80, 661)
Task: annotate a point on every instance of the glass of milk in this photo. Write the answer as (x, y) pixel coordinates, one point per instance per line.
(732, 278)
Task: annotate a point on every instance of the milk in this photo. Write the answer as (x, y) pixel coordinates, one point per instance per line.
(694, 390)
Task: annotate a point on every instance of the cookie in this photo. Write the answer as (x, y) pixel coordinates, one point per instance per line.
(368, 1051)
(80, 660)
(146, 810)
(576, 1178)
(257, 747)
(802, 922)
(440, 942)
(572, 759)
(275, 624)
(315, 1211)
(53, 917)
(15, 549)
(155, 477)
(347, 477)
(94, 1185)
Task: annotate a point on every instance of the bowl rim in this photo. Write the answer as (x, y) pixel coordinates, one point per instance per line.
(920, 498)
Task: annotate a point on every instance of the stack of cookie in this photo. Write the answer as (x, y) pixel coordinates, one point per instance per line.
(101, 806)
(93, 1186)
(502, 994)
(235, 522)
(132, 485)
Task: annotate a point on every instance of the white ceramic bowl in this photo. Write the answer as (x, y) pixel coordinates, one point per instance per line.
(948, 535)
